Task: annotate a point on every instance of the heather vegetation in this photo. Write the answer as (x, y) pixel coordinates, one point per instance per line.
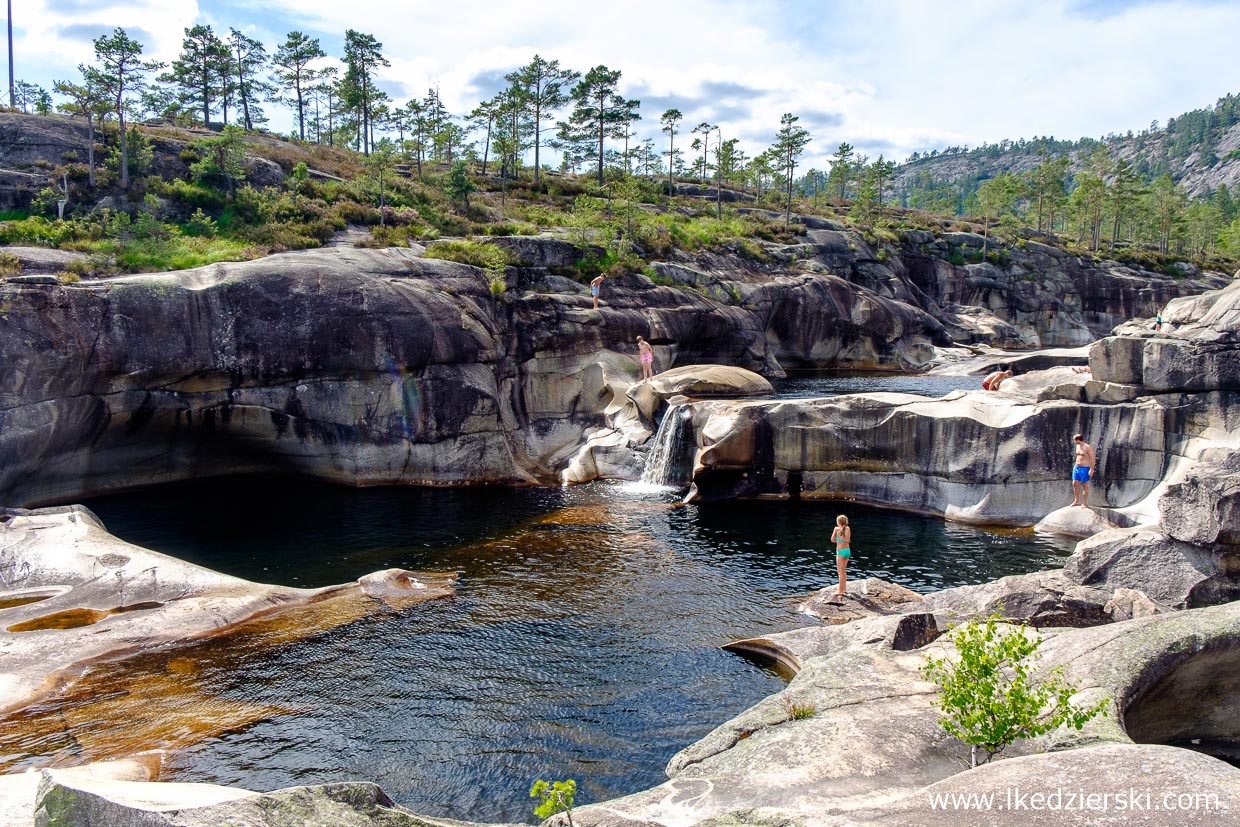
(193, 181)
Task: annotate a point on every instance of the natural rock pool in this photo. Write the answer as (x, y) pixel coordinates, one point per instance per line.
(583, 640)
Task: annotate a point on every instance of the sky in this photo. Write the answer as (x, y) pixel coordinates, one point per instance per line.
(889, 77)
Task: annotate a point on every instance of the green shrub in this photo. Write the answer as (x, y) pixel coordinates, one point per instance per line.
(999, 257)
(988, 696)
(466, 251)
(177, 252)
(36, 231)
(200, 224)
(554, 798)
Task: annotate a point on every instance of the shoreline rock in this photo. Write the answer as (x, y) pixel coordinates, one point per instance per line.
(96, 597)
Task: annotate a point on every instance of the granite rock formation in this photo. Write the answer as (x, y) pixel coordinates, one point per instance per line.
(74, 593)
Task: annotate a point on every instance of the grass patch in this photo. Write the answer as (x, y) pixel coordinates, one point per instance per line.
(175, 252)
(475, 253)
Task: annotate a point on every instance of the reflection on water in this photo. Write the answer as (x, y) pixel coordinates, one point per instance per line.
(583, 641)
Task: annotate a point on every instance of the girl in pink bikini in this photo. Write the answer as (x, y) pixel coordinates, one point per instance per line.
(647, 358)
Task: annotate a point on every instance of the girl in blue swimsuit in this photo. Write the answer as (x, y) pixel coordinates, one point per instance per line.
(842, 537)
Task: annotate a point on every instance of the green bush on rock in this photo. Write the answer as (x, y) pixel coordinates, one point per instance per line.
(989, 697)
(554, 798)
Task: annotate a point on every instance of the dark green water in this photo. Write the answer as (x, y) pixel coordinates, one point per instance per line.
(812, 384)
(583, 641)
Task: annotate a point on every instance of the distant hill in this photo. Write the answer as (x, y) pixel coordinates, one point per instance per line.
(1199, 149)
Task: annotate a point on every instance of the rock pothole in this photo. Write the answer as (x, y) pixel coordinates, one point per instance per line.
(1192, 703)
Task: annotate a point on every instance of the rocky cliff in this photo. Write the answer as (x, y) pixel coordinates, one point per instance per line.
(371, 367)
(1155, 405)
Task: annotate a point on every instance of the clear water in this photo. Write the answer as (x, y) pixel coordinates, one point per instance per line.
(583, 640)
(813, 384)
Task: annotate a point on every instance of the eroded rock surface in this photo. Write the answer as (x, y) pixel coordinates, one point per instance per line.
(95, 595)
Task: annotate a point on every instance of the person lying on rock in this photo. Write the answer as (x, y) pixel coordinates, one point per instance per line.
(992, 382)
(1082, 469)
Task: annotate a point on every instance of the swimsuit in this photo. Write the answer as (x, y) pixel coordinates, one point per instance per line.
(647, 358)
(594, 290)
(1080, 473)
(842, 552)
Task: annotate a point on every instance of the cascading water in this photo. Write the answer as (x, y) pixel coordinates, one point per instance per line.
(661, 462)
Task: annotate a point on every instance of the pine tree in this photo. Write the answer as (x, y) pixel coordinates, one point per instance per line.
(669, 120)
(841, 171)
(363, 54)
(85, 100)
(120, 73)
(790, 143)
(201, 71)
(1124, 191)
(249, 60)
(704, 129)
(291, 63)
(545, 90)
(599, 109)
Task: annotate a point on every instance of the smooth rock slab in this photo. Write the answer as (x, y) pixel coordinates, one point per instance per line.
(1142, 784)
(64, 801)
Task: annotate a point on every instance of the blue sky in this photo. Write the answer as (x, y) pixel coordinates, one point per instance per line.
(890, 76)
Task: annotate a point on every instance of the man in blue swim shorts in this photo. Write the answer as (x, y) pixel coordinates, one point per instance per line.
(1083, 466)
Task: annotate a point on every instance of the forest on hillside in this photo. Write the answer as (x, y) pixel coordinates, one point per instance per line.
(407, 170)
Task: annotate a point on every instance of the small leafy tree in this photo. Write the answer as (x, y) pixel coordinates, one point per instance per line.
(554, 798)
(989, 698)
(457, 185)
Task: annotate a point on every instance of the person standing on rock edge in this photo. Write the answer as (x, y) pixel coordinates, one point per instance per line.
(594, 288)
(1083, 467)
(647, 358)
(842, 537)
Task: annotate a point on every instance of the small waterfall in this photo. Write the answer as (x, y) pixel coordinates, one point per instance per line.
(661, 462)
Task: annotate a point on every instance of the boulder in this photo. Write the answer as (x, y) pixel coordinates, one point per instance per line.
(1108, 393)
(1042, 599)
(976, 457)
(1204, 507)
(696, 381)
(1074, 521)
(35, 260)
(871, 597)
(1126, 604)
(540, 251)
(18, 791)
(1117, 359)
(1171, 572)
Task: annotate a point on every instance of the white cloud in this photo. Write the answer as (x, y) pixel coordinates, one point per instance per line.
(891, 76)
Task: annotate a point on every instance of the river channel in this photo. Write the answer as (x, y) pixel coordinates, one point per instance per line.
(583, 641)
